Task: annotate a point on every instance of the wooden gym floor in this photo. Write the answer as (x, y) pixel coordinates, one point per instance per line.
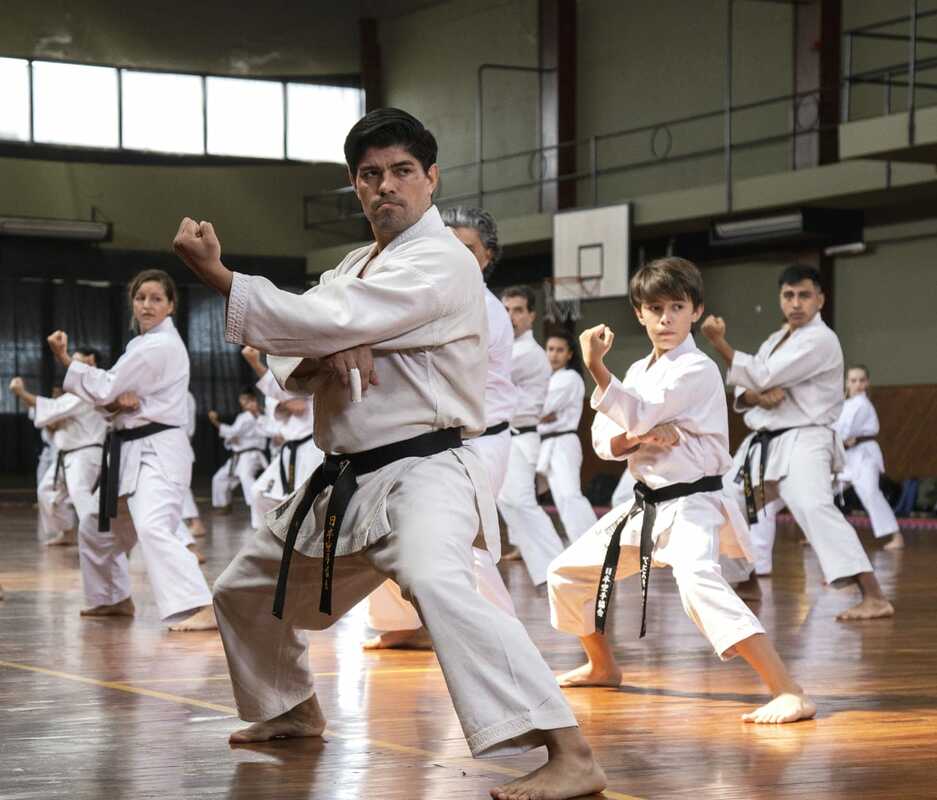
(126, 709)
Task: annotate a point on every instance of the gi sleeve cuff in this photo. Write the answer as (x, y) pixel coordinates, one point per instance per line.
(237, 308)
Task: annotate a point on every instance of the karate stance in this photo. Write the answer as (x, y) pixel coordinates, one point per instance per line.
(58, 521)
(529, 527)
(791, 393)
(668, 416)
(857, 426)
(400, 497)
(149, 461)
(388, 612)
(560, 459)
(78, 436)
(248, 445)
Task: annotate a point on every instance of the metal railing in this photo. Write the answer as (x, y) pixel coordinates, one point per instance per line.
(695, 138)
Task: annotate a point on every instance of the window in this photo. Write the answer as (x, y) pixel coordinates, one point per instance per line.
(162, 112)
(319, 118)
(75, 104)
(14, 99)
(245, 117)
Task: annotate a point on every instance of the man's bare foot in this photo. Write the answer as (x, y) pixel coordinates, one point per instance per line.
(196, 527)
(783, 708)
(896, 542)
(193, 548)
(301, 721)
(868, 608)
(399, 640)
(571, 772)
(201, 620)
(590, 675)
(511, 554)
(749, 590)
(63, 539)
(122, 609)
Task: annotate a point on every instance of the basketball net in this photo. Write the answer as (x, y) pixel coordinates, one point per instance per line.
(563, 297)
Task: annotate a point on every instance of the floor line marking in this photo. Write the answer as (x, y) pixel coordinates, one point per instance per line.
(391, 671)
(484, 766)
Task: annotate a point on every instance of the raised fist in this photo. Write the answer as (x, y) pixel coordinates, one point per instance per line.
(197, 245)
(58, 342)
(213, 417)
(713, 328)
(17, 385)
(596, 342)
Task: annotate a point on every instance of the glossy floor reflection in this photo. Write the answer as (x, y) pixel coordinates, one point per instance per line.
(126, 709)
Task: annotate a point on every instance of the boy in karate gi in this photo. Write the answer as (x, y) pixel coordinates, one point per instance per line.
(398, 495)
(791, 393)
(247, 443)
(668, 417)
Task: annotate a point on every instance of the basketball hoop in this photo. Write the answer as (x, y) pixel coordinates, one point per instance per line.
(563, 294)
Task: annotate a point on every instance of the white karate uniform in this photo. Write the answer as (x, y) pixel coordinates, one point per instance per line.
(56, 513)
(419, 306)
(865, 462)
(80, 432)
(809, 368)
(683, 387)
(154, 473)
(248, 460)
(529, 527)
(560, 459)
(268, 490)
(624, 491)
(387, 610)
(270, 428)
(189, 509)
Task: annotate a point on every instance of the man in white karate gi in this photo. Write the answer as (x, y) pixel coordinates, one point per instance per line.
(529, 527)
(400, 497)
(247, 445)
(791, 393)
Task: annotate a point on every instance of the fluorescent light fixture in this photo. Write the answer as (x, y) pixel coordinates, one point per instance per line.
(763, 226)
(850, 249)
(40, 228)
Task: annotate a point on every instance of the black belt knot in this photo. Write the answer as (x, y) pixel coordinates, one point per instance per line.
(109, 477)
(288, 475)
(760, 439)
(646, 500)
(340, 472)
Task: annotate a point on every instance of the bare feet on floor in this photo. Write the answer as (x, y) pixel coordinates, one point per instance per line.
(868, 608)
(192, 548)
(201, 620)
(749, 590)
(590, 675)
(562, 777)
(301, 721)
(196, 527)
(63, 539)
(783, 708)
(895, 543)
(122, 609)
(399, 640)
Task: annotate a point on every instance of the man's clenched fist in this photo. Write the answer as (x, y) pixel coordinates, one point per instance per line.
(198, 246)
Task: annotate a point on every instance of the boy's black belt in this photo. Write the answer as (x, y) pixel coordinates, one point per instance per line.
(545, 436)
(233, 464)
(524, 429)
(762, 438)
(288, 475)
(109, 477)
(340, 472)
(494, 430)
(646, 500)
(60, 461)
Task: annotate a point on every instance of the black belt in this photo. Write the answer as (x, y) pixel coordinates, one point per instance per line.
(761, 438)
(109, 477)
(288, 477)
(525, 429)
(60, 461)
(645, 499)
(340, 472)
(237, 455)
(494, 430)
(545, 436)
(861, 440)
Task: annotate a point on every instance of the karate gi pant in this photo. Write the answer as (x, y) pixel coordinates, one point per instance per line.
(529, 527)
(864, 476)
(564, 475)
(624, 491)
(56, 508)
(387, 610)
(500, 686)
(268, 490)
(155, 512)
(807, 491)
(74, 503)
(224, 481)
(189, 509)
(690, 547)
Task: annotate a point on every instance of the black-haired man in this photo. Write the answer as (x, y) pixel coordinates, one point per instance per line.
(791, 393)
(400, 498)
